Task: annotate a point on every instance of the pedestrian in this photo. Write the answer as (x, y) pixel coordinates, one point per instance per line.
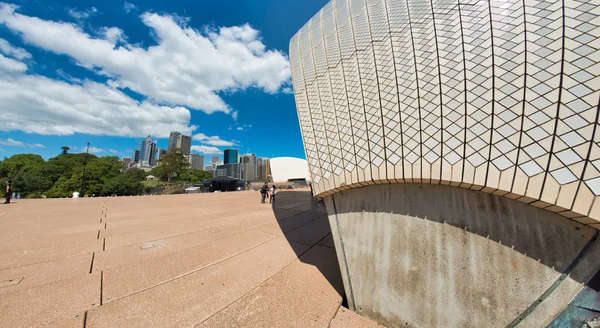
(8, 191)
(263, 192)
(272, 199)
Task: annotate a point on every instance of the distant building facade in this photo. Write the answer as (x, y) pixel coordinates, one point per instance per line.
(135, 157)
(214, 159)
(161, 152)
(148, 152)
(228, 170)
(179, 141)
(185, 144)
(230, 156)
(196, 161)
(173, 140)
(127, 162)
(249, 167)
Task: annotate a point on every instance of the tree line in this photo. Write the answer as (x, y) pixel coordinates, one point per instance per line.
(60, 176)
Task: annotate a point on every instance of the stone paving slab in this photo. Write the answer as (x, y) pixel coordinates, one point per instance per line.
(46, 272)
(348, 319)
(193, 298)
(142, 275)
(168, 261)
(43, 304)
(314, 301)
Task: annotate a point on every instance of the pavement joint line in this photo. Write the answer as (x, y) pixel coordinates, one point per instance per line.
(101, 285)
(183, 234)
(334, 315)
(104, 244)
(85, 319)
(195, 270)
(266, 280)
(92, 265)
(52, 260)
(98, 234)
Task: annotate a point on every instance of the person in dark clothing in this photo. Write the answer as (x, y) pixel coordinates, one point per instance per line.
(263, 192)
(272, 199)
(8, 192)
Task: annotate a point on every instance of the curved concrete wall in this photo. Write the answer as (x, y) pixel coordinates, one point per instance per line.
(497, 96)
(419, 255)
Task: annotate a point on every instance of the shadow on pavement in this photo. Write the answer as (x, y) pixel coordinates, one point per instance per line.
(303, 220)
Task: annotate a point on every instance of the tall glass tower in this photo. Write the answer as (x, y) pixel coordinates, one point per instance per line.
(230, 156)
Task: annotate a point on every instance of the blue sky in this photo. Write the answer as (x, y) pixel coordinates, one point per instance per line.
(111, 72)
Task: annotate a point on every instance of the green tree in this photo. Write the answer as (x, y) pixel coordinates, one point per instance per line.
(193, 175)
(65, 150)
(172, 164)
(123, 185)
(137, 174)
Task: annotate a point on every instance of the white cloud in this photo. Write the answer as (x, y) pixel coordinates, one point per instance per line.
(129, 7)
(229, 129)
(186, 68)
(206, 149)
(239, 128)
(234, 115)
(213, 141)
(10, 65)
(10, 51)
(16, 143)
(113, 34)
(82, 14)
(93, 150)
(50, 107)
(287, 90)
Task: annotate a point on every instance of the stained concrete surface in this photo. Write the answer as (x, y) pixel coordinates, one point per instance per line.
(439, 256)
(169, 261)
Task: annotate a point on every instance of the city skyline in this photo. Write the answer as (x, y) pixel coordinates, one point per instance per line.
(114, 104)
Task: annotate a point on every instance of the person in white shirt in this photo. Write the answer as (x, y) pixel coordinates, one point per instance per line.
(272, 192)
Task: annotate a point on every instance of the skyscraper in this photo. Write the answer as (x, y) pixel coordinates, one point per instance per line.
(214, 159)
(173, 140)
(135, 156)
(148, 152)
(126, 162)
(249, 167)
(230, 156)
(161, 152)
(196, 161)
(185, 144)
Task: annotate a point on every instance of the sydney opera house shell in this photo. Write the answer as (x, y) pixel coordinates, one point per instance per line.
(456, 145)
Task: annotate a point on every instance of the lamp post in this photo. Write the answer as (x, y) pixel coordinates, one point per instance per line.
(84, 164)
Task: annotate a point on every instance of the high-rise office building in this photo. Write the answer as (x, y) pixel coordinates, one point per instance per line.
(264, 171)
(173, 140)
(161, 152)
(126, 162)
(249, 167)
(214, 159)
(148, 152)
(230, 156)
(185, 144)
(196, 161)
(228, 170)
(179, 141)
(135, 157)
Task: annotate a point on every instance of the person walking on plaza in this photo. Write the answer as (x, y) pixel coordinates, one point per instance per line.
(272, 199)
(263, 192)
(7, 192)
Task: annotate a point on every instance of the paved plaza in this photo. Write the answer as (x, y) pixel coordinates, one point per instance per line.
(204, 260)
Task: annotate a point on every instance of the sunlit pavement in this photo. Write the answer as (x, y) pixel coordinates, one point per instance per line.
(207, 260)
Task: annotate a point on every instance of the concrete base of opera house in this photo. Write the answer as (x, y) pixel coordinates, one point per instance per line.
(414, 255)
